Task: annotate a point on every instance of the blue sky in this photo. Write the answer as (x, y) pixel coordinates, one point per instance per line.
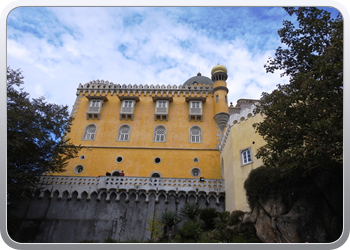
(59, 47)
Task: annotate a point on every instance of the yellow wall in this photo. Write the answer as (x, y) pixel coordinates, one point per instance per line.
(139, 152)
(241, 136)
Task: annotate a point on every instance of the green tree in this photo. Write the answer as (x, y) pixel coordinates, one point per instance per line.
(36, 142)
(169, 219)
(303, 125)
(190, 211)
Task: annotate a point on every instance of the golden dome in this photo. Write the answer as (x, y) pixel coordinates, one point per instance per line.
(218, 68)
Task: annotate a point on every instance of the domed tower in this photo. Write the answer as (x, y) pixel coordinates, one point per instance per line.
(220, 91)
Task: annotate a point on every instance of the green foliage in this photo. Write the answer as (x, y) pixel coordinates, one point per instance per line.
(266, 182)
(191, 230)
(36, 142)
(223, 235)
(190, 211)
(155, 227)
(303, 125)
(208, 215)
(221, 221)
(169, 219)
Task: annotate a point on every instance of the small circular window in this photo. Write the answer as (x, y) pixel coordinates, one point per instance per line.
(157, 160)
(196, 172)
(82, 157)
(119, 159)
(78, 169)
(195, 159)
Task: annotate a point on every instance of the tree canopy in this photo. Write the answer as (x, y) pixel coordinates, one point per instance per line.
(303, 120)
(36, 142)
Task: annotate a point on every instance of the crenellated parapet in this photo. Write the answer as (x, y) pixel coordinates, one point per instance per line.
(113, 187)
(243, 110)
(101, 87)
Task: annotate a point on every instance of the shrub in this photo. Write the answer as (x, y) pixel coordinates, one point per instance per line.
(222, 219)
(155, 227)
(223, 235)
(169, 219)
(190, 211)
(208, 215)
(190, 231)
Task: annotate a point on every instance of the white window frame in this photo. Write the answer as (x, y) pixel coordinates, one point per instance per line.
(159, 138)
(95, 103)
(193, 104)
(197, 138)
(162, 103)
(85, 134)
(128, 103)
(121, 136)
(246, 156)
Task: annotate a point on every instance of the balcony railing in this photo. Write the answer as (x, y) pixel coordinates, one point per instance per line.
(125, 183)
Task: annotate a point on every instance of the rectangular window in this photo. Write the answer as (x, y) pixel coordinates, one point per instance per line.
(195, 104)
(128, 104)
(161, 104)
(217, 98)
(95, 103)
(225, 98)
(94, 108)
(246, 156)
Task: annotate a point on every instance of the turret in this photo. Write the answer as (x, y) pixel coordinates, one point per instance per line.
(220, 91)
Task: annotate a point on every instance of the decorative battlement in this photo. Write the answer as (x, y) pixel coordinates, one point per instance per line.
(101, 86)
(243, 110)
(122, 185)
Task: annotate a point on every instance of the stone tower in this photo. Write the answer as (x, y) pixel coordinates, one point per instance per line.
(220, 91)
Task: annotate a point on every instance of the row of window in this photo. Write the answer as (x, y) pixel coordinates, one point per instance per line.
(160, 132)
(161, 109)
(195, 172)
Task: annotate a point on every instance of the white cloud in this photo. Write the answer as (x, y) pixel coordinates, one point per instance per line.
(82, 44)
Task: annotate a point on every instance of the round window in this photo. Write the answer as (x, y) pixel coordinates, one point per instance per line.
(82, 157)
(195, 159)
(119, 159)
(196, 172)
(78, 169)
(157, 160)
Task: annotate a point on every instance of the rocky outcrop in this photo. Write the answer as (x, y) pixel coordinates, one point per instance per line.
(313, 213)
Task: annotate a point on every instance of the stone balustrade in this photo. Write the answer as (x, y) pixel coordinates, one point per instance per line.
(119, 185)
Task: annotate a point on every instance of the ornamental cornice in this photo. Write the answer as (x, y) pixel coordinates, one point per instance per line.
(100, 86)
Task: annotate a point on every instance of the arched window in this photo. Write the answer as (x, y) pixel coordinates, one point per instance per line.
(90, 132)
(159, 134)
(195, 134)
(124, 133)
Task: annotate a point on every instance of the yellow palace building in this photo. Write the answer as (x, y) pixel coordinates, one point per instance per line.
(185, 131)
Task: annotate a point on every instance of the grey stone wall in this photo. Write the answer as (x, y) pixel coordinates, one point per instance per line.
(51, 219)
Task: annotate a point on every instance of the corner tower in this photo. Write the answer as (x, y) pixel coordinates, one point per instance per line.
(220, 91)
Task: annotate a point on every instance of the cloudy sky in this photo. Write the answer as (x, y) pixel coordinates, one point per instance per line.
(59, 47)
